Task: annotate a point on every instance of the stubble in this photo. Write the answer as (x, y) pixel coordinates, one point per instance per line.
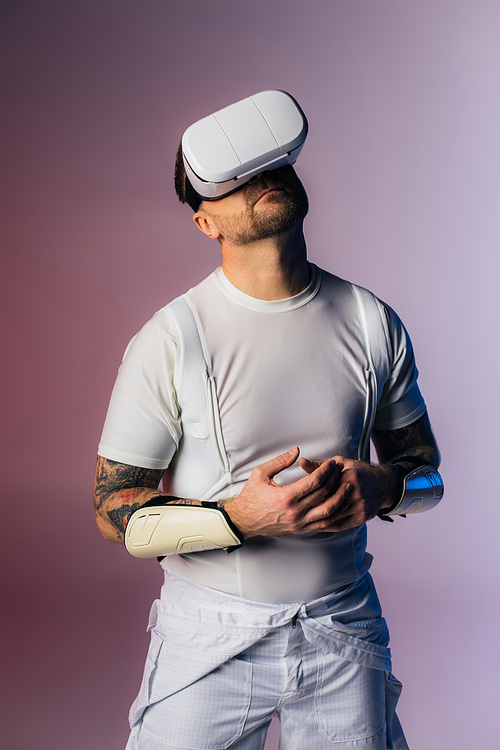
(273, 215)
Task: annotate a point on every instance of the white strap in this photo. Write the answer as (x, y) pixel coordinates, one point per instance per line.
(378, 351)
(200, 466)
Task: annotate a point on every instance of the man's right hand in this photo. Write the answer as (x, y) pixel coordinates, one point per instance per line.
(265, 508)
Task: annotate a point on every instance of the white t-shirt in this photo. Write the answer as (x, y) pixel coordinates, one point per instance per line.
(287, 372)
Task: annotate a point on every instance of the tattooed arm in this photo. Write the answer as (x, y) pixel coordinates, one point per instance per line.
(375, 488)
(119, 490)
(263, 507)
(416, 440)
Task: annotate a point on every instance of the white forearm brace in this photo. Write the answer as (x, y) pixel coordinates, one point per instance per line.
(157, 531)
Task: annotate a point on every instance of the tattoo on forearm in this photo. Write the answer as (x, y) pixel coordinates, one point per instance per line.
(121, 489)
(120, 517)
(415, 439)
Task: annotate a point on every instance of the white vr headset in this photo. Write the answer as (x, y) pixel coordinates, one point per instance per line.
(223, 151)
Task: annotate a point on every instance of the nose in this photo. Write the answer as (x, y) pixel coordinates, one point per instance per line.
(256, 177)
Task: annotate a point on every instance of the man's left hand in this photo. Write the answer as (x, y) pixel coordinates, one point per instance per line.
(373, 487)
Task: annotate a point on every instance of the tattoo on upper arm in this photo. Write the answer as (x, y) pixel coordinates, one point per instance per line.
(415, 439)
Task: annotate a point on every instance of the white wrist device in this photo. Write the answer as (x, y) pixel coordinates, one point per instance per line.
(223, 151)
(157, 531)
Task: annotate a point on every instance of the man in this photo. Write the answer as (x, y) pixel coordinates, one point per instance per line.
(221, 391)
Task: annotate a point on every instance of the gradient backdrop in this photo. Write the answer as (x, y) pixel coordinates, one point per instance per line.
(403, 171)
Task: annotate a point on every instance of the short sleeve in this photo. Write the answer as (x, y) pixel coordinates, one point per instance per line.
(142, 426)
(401, 402)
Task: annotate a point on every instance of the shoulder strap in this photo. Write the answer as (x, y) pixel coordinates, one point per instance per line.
(199, 466)
(191, 348)
(378, 351)
(375, 330)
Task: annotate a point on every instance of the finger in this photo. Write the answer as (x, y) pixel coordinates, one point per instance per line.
(309, 466)
(350, 521)
(327, 511)
(348, 515)
(317, 487)
(325, 492)
(279, 463)
(314, 486)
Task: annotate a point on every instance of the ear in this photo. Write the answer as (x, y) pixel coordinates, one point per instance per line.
(205, 224)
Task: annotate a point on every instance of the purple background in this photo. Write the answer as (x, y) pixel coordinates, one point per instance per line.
(402, 168)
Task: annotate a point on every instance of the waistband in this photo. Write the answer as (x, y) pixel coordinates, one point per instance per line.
(347, 621)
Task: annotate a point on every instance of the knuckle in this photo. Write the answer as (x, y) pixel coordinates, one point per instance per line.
(290, 519)
(316, 482)
(326, 512)
(353, 491)
(324, 492)
(258, 473)
(321, 492)
(280, 460)
(287, 497)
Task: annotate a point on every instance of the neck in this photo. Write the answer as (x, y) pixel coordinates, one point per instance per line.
(271, 269)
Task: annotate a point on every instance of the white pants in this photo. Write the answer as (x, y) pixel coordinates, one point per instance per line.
(219, 667)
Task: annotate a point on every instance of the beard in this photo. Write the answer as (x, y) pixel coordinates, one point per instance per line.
(277, 213)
